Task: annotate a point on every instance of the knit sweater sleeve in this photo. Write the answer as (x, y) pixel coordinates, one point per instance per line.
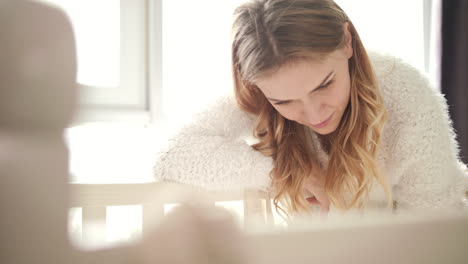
(430, 173)
(211, 152)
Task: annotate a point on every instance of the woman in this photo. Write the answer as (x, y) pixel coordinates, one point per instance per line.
(333, 125)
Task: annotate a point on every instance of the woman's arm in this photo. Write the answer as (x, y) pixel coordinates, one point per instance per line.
(211, 152)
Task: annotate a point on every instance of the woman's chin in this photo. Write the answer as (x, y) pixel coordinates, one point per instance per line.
(323, 132)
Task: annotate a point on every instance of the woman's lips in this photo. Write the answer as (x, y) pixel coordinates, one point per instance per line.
(324, 123)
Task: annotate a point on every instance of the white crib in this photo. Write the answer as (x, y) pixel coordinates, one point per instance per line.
(425, 238)
(154, 197)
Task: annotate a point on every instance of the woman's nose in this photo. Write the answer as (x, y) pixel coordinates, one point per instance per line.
(312, 113)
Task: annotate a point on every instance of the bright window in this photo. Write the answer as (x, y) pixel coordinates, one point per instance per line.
(395, 27)
(111, 52)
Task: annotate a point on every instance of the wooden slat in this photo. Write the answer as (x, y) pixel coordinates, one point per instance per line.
(255, 207)
(269, 212)
(109, 194)
(152, 196)
(152, 213)
(141, 193)
(94, 224)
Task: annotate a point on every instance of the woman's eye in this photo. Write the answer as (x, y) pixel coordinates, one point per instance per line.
(320, 88)
(282, 103)
(325, 85)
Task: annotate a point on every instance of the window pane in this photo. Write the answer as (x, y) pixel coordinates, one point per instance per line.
(123, 223)
(196, 53)
(394, 27)
(104, 153)
(97, 31)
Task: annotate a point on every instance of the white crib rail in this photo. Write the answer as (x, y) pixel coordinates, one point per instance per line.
(436, 237)
(95, 198)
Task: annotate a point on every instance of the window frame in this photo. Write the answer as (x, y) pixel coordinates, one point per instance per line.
(155, 56)
(129, 102)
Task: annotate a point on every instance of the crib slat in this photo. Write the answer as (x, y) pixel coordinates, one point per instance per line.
(94, 224)
(152, 214)
(269, 212)
(255, 208)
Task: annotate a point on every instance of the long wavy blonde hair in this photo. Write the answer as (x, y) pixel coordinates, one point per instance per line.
(268, 34)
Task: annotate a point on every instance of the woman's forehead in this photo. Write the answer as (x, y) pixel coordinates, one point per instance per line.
(299, 74)
(293, 82)
(308, 64)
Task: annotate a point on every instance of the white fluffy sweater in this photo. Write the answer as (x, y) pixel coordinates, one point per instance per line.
(419, 153)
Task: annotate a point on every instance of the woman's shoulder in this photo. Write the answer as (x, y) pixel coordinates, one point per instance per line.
(397, 74)
(412, 104)
(405, 89)
(382, 63)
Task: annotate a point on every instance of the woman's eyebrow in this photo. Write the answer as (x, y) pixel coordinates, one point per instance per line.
(320, 85)
(324, 81)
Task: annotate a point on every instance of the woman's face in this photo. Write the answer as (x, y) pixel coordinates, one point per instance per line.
(314, 94)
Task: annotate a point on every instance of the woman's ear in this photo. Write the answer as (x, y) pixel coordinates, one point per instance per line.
(349, 40)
